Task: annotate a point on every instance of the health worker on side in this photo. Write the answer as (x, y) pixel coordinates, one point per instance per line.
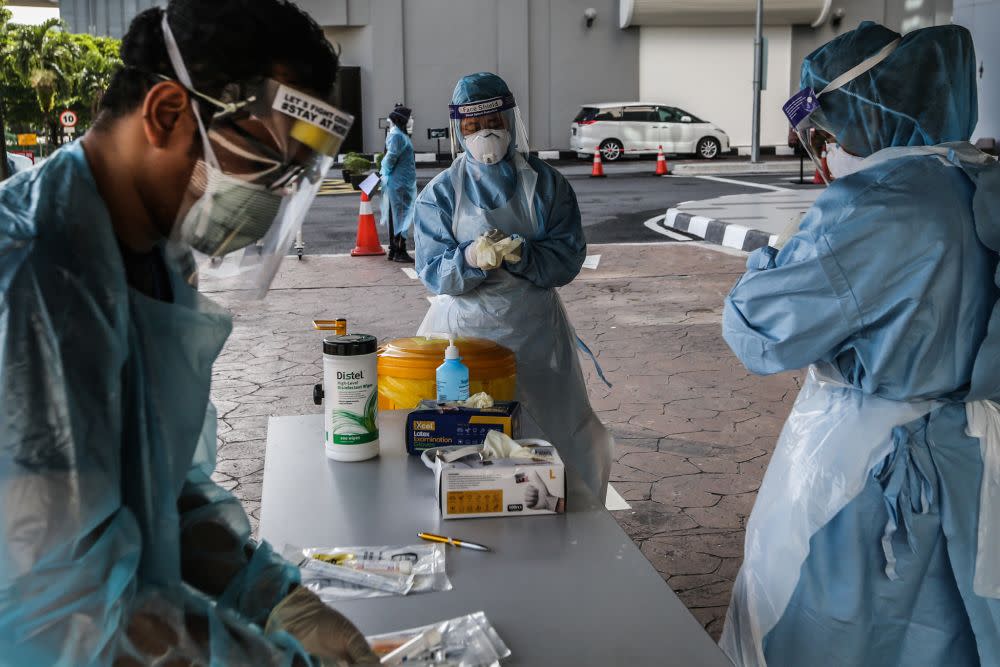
(117, 548)
(875, 537)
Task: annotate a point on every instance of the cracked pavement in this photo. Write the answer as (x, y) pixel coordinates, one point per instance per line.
(694, 429)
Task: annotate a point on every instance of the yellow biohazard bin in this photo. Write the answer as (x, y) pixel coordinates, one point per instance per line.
(407, 366)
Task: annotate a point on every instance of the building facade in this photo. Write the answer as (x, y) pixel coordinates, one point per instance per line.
(697, 56)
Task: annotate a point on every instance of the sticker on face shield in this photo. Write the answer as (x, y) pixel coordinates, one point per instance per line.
(800, 106)
(483, 108)
(313, 111)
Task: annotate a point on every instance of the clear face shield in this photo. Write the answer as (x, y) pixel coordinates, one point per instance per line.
(805, 112)
(264, 160)
(488, 130)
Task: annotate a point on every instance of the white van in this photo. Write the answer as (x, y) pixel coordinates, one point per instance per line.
(636, 128)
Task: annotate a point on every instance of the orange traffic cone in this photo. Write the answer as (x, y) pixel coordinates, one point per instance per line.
(817, 177)
(367, 243)
(598, 170)
(661, 163)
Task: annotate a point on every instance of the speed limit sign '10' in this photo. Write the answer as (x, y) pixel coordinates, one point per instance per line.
(68, 118)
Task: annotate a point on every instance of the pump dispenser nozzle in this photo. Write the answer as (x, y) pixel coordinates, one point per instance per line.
(451, 352)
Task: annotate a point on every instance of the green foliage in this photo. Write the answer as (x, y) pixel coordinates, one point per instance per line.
(44, 69)
(378, 162)
(357, 164)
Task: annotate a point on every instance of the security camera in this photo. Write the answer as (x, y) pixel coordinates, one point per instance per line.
(838, 17)
(590, 14)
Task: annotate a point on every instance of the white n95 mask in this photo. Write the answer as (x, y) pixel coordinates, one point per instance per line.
(230, 214)
(841, 163)
(488, 146)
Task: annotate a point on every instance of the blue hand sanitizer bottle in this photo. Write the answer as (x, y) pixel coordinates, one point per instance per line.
(452, 376)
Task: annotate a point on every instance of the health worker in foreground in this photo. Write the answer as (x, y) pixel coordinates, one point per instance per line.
(116, 547)
(875, 538)
(496, 233)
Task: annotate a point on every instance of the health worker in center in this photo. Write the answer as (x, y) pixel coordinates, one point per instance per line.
(496, 234)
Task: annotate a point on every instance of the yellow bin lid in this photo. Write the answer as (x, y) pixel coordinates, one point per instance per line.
(418, 358)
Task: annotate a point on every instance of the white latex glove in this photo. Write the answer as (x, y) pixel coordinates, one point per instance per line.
(478, 401)
(537, 496)
(509, 249)
(322, 631)
(486, 254)
(471, 257)
(499, 446)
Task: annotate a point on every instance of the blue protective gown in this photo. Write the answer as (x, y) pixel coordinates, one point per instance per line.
(109, 516)
(515, 305)
(891, 285)
(553, 259)
(399, 181)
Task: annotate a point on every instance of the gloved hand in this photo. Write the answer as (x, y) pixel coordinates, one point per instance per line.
(323, 632)
(488, 252)
(537, 496)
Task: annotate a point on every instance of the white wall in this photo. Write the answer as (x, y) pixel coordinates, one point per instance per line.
(982, 18)
(414, 52)
(709, 72)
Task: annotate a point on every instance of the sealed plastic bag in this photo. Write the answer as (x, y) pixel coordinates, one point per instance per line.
(351, 573)
(467, 641)
(834, 436)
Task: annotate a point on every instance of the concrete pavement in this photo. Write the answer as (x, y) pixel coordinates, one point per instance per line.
(694, 429)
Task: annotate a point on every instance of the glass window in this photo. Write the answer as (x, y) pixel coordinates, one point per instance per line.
(641, 114)
(609, 113)
(668, 115)
(586, 113)
(681, 114)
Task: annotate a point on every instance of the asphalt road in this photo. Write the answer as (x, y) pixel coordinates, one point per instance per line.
(613, 208)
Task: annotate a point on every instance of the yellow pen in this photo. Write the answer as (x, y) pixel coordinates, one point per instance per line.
(431, 537)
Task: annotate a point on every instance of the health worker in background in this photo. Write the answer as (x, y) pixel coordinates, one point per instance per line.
(874, 537)
(399, 185)
(496, 234)
(117, 547)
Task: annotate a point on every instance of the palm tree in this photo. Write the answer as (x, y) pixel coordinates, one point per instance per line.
(44, 57)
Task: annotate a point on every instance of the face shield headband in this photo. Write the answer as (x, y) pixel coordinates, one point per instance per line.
(264, 160)
(504, 106)
(804, 111)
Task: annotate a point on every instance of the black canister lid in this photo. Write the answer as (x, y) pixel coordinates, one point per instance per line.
(350, 345)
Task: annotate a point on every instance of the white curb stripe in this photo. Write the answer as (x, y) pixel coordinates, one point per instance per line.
(748, 184)
(734, 236)
(653, 225)
(698, 226)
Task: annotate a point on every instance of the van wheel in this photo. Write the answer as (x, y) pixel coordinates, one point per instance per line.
(611, 150)
(708, 148)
